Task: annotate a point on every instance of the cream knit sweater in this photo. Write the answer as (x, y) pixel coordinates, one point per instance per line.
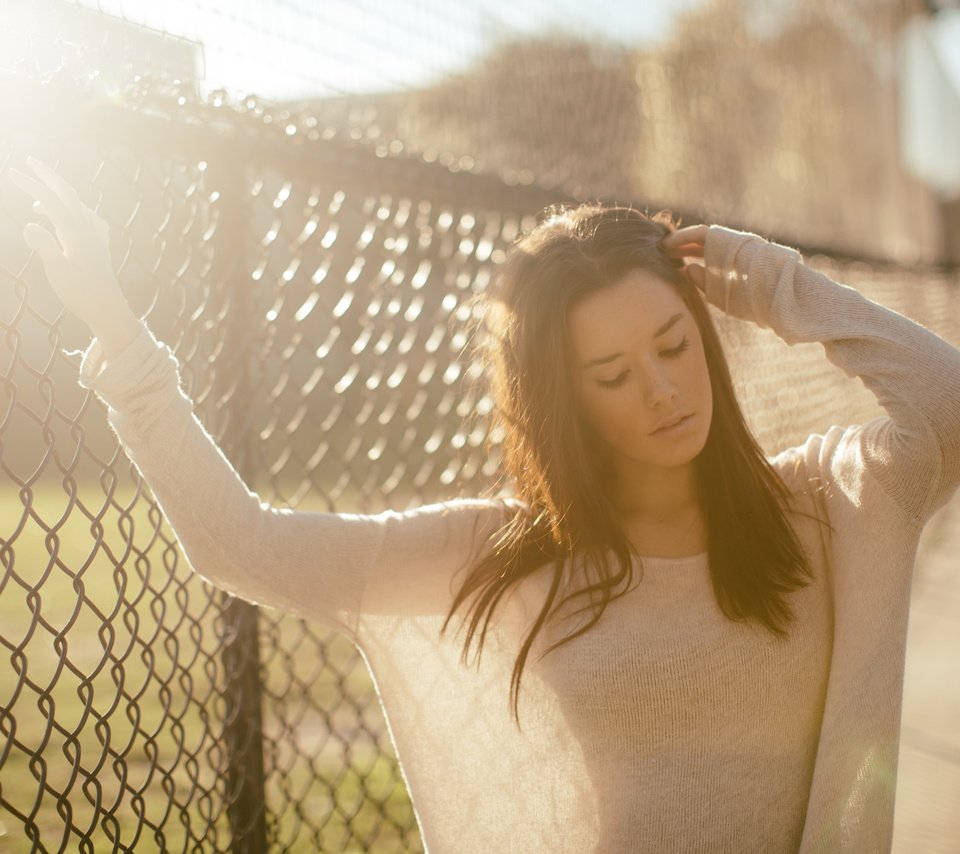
(666, 727)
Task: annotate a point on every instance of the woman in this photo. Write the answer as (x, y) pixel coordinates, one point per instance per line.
(711, 643)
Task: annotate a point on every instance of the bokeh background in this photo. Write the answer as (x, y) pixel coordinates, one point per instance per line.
(303, 199)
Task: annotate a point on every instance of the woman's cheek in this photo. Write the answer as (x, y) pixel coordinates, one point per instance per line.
(619, 423)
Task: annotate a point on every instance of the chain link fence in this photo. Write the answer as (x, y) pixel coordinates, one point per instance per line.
(315, 297)
(315, 292)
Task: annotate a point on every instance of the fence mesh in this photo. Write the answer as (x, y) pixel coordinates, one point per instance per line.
(316, 295)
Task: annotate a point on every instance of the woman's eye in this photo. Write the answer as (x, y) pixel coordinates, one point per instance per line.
(670, 354)
(614, 382)
(676, 351)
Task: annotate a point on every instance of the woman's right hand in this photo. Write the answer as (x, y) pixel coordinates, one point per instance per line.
(688, 242)
(77, 259)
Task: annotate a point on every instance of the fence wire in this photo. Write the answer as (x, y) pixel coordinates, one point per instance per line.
(316, 302)
(316, 295)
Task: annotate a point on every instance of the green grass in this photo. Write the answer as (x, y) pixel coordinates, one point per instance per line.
(111, 683)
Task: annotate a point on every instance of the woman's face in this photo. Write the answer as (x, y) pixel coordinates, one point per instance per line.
(638, 363)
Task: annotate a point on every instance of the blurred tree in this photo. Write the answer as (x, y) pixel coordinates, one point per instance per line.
(780, 116)
(785, 123)
(560, 108)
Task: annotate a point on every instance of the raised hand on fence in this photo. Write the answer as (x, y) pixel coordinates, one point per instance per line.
(76, 256)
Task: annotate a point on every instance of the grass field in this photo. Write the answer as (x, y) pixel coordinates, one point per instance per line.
(111, 691)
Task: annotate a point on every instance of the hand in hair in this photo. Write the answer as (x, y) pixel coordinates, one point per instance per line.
(76, 257)
(688, 242)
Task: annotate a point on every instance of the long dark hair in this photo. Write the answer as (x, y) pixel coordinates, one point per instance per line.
(553, 466)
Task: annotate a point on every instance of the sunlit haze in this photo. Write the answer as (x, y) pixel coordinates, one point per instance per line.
(282, 49)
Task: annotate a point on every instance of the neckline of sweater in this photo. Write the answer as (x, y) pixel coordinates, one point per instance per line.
(687, 560)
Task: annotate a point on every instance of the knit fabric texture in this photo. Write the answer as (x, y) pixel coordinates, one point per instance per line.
(667, 726)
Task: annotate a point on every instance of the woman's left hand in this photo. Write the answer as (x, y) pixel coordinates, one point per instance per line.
(688, 242)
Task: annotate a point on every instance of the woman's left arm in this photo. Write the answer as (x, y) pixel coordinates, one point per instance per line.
(914, 374)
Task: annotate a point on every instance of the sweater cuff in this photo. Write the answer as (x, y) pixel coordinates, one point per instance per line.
(122, 376)
(719, 251)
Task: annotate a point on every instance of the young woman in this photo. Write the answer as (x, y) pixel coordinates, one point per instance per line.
(710, 642)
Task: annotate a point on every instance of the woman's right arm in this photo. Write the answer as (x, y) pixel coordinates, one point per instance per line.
(308, 563)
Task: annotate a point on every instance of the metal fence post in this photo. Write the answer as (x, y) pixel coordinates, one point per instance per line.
(240, 654)
(243, 733)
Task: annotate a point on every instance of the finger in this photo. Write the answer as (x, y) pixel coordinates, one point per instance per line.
(103, 229)
(688, 234)
(64, 190)
(685, 250)
(699, 229)
(697, 274)
(45, 245)
(24, 182)
(99, 225)
(49, 201)
(56, 267)
(686, 243)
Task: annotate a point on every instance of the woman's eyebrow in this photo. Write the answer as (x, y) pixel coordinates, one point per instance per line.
(602, 360)
(668, 324)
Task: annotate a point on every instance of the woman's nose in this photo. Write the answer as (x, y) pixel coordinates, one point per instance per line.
(660, 390)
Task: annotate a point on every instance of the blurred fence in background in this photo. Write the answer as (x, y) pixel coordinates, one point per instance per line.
(312, 273)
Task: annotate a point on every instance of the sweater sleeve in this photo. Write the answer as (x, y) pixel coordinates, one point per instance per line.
(312, 564)
(914, 451)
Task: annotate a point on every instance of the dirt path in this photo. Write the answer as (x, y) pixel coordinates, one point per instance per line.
(927, 817)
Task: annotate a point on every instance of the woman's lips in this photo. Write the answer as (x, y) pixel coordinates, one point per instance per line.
(675, 428)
